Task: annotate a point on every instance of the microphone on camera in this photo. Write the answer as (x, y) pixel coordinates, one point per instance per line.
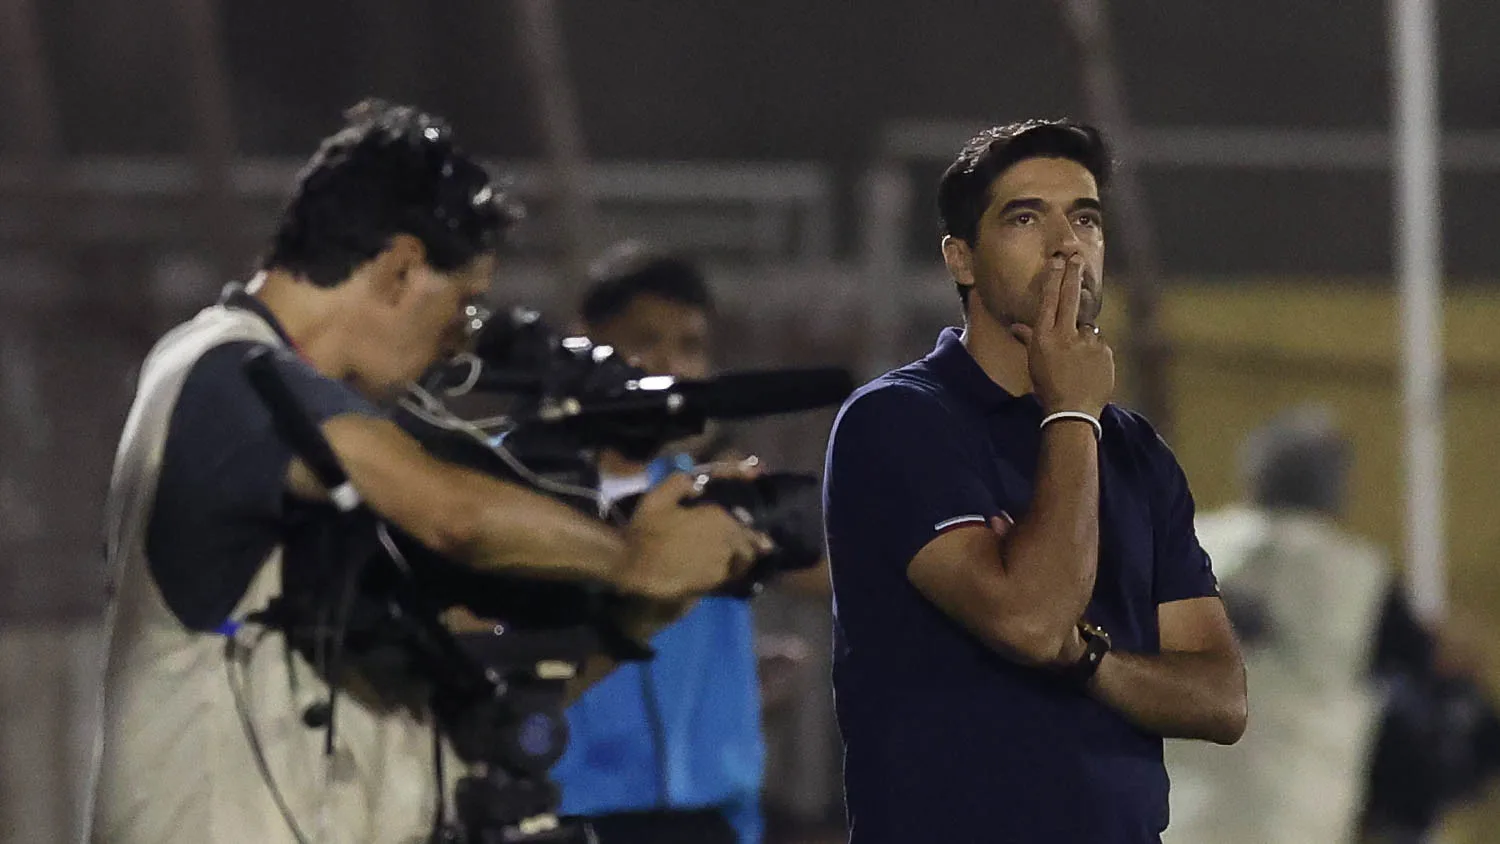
(738, 395)
(734, 395)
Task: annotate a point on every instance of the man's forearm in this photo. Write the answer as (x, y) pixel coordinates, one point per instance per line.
(521, 532)
(1051, 558)
(1176, 695)
(461, 513)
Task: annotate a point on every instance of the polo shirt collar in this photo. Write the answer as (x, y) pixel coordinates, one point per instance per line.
(235, 296)
(955, 368)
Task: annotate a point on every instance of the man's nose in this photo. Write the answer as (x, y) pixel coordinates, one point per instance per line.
(1065, 242)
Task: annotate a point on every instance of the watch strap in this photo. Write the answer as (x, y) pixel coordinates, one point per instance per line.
(1096, 645)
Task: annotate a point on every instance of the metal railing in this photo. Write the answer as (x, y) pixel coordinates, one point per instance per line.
(781, 211)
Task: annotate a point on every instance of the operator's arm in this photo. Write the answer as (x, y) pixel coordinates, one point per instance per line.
(465, 514)
(1195, 686)
(668, 551)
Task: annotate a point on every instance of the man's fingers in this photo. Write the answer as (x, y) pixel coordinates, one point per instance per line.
(749, 546)
(746, 547)
(1022, 333)
(677, 483)
(1051, 293)
(763, 544)
(670, 492)
(745, 470)
(1069, 293)
(1001, 524)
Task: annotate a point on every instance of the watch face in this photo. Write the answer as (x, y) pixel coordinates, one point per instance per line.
(1092, 631)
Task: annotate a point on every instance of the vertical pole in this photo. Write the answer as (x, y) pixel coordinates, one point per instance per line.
(212, 138)
(1147, 352)
(545, 62)
(23, 63)
(1418, 208)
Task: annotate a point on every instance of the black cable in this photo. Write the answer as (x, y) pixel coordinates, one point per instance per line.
(346, 607)
(320, 647)
(440, 817)
(239, 690)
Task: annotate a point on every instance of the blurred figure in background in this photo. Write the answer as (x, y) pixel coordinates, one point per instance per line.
(1368, 723)
(1439, 738)
(1306, 597)
(671, 749)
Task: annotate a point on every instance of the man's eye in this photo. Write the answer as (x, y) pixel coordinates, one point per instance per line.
(1090, 220)
(1025, 218)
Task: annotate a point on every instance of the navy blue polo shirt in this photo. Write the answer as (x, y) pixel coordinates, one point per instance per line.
(945, 740)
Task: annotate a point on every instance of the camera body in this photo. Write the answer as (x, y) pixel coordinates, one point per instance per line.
(499, 696)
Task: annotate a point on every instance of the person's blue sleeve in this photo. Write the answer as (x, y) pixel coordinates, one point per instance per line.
(900, 471)
(1183, 568)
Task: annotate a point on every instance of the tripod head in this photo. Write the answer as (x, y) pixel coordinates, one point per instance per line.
(512, 739)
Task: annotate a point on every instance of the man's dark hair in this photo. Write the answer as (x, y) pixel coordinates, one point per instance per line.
(391, 170)
(628, 272)
(964, 192)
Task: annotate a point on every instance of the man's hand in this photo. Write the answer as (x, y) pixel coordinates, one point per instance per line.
(1071, 368)
(677, 551)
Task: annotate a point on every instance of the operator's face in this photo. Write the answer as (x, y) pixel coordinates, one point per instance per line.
(660, 336)
(1039, 207)
(414, 315)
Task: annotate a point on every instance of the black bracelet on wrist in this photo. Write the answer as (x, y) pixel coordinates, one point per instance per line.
(1096, 645)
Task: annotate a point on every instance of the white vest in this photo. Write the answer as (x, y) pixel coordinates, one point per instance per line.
(1298, 773)
(175, 761)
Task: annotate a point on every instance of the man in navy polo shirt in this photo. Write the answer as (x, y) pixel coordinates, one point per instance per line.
(1023, 610)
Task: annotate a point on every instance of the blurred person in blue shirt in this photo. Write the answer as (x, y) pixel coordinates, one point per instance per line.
(670, 749)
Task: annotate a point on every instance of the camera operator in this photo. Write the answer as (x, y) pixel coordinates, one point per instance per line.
(668, 750)
(211, 722)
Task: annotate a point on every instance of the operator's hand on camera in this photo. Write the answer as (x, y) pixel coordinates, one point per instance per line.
(1072, 368)
(678, 551)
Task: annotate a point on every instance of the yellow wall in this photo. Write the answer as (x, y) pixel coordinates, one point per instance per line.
(1244, 351)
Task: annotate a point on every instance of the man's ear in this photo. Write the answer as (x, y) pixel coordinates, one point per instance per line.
(960, 260)
(391, 272)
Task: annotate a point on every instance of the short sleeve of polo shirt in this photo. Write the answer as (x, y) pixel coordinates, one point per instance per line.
(1183, 568)
(899, 472)
(219, 498)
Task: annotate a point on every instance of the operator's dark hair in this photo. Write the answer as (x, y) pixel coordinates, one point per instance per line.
(964, 191)
(628, 271)
(391, 170)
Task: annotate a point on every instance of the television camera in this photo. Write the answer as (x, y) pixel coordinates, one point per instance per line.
(546, 405)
